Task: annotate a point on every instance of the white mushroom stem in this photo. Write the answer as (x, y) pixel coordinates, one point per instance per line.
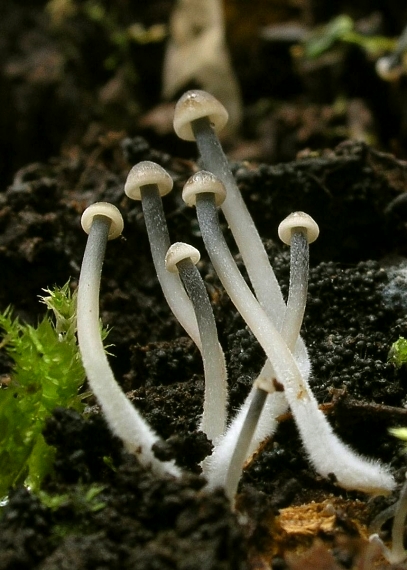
(297, 230)
(397, 553)
(247, 430)
(327, 453)
(182, 258)
(147, 182)
(241, 223)
(104, 221)
(200, 116)
(224, 467)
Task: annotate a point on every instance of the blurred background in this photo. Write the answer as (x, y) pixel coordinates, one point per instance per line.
(294, 74)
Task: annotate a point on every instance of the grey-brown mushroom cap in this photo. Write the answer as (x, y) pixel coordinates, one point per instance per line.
(147, 173)
(203, 182)
(298, 220)
(196, 104)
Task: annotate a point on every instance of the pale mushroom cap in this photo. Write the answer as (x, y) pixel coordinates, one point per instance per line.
(298, 220)
(179, 251)
(197, 104)
(103, 209)
(201, 182)
(146, 173)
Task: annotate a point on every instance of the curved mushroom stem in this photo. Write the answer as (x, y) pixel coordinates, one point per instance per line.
(255, 258)
(240, 222)
(234, 470)
(258, 417)
(147, 182)
(159, 239)
(122, 418)
(213, 422)
(199, 116)
(397, 553)
(297, 230)
(327, 453)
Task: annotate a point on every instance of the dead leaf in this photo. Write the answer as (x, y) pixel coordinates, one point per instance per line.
(197, 53)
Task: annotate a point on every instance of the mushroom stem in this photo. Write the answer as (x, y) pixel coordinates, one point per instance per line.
(224, 467)
(247, 430)
(122, 418)
(147, 182)
(159, 239)
(327, 453)
(397, 553)
(298, 287)
(276, 404)
(199, 116)
(240, 222)
(257, 419)
(181, 257)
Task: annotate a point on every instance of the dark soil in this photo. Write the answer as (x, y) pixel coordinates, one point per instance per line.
(356, 309)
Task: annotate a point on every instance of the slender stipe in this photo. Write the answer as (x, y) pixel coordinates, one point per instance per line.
(182, 257)
(147, 182)
(350, 470)
(103, 221)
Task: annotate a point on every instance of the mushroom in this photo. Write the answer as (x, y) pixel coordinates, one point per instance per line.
(297, 230)
(147, 181)
(327, 453)
(198, 115)
(103, 221)
(182, 258)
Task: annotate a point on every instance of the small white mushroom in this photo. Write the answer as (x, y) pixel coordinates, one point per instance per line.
(297, 230)
(103, 221)
(197, 109)
(147, 181)
(182, 258)
(145, 174)
(200, 183)
(107, 210)
(327, 453)
(196, 113)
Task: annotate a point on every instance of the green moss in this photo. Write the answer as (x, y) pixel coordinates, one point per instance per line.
(398, 352)
(47, 372)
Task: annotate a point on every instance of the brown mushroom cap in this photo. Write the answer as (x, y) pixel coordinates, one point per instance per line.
(179, 251)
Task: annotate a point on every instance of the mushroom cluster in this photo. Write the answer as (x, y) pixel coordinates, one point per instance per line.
(283, 381)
